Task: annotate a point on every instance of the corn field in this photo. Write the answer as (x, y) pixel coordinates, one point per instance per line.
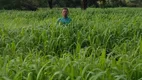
(99, 44)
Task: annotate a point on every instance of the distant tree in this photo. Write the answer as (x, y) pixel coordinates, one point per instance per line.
(34, 4)
(5, 4)
(84, 4)
(43, 3)
(122, 3)
(136, 2)
(76, 3)
(50, 4)
(93, 3)
(29, 4)
(102, 3)
(20, 4)
(117, 3)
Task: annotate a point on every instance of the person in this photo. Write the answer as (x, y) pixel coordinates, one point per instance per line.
(65, 19)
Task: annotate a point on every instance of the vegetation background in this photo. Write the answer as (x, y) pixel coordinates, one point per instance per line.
(34, 4)
(99, 44)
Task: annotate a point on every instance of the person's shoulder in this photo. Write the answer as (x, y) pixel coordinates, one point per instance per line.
(70, 19)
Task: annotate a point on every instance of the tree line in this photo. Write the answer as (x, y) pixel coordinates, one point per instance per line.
(35, 4)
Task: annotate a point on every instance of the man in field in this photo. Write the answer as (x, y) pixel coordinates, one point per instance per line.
(65, 19)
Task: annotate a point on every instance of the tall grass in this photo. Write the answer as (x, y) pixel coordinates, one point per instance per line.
(99, 44)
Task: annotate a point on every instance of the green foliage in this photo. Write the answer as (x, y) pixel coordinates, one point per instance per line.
(34, 4)
(18, 4)
(99, 44)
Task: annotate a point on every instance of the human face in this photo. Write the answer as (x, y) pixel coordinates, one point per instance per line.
(65, 13)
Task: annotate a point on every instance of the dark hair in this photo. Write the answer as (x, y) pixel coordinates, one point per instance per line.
(65, 9)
